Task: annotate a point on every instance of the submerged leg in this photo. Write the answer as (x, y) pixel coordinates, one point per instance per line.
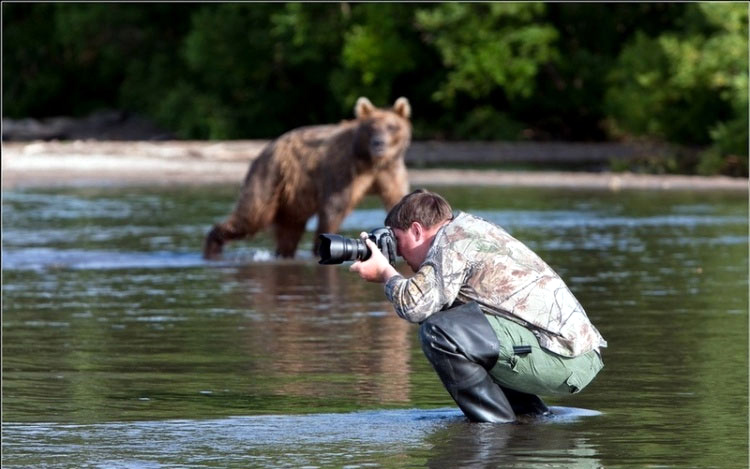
(462, 347)
(524, 403)
(288, 235)
(220, 234)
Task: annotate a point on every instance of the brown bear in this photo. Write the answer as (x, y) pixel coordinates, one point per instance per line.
(324, 170)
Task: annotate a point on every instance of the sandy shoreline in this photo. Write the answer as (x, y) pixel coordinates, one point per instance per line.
(54, 164)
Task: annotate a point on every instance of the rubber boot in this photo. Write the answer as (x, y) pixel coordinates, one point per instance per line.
(462, 346)
(525, 404)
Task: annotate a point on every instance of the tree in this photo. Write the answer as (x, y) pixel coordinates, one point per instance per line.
(498, 71)
(688, 85)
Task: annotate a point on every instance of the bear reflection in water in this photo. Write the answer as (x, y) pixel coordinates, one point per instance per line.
(316, 332)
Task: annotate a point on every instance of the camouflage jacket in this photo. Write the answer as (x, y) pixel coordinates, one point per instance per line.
(472, 259)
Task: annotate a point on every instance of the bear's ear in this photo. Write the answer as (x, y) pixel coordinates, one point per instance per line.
(363, 108)
(402, 107)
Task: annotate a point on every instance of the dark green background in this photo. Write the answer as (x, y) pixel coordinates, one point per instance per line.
(673, 72)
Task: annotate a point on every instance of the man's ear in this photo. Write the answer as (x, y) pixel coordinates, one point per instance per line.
(417, 230)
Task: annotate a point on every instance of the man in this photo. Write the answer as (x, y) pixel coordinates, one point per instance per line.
(497, 323)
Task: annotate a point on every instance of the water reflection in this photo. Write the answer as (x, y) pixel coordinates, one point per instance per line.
(324, 333)
(122, 348)
(491, 446)
(437, 438)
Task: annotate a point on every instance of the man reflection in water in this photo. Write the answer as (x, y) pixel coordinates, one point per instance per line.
(498, 324)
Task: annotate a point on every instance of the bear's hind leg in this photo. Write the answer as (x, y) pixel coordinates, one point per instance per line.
(220, 234)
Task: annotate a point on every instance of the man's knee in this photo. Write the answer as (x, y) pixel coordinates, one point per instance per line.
(425, 330)
(445, 329)
(463, 330)
(432, 336)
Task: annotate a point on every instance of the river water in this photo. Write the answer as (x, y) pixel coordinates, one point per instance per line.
(122, 348)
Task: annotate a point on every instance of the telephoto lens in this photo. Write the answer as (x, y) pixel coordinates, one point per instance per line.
(335, 249)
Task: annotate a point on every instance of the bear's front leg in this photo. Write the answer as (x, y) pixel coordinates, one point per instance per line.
(330, 216)
(391, 184)
(288, 235)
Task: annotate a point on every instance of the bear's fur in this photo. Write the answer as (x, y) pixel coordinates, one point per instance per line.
(324, 170)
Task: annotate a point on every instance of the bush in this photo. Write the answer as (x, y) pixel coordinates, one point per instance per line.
(663, 71)
(688, 86)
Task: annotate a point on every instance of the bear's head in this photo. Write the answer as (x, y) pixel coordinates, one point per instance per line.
(382, 135)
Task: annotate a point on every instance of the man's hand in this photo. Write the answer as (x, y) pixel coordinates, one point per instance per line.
(376, 268)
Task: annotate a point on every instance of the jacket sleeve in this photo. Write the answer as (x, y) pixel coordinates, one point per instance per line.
(434, 287)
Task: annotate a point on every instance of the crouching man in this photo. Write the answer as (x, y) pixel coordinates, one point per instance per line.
(499, 326)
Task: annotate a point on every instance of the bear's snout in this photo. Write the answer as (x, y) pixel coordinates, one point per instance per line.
(378, 145)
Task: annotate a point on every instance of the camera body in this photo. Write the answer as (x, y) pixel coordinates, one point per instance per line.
(335, 249)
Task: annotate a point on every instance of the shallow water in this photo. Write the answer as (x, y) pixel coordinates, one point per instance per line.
(123, 348)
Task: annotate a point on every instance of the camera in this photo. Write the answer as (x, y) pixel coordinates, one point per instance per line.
(335, 249)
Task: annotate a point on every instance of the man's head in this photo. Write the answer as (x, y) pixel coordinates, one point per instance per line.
(415, 220)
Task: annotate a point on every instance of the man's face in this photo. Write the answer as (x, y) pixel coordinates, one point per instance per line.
(410, 246)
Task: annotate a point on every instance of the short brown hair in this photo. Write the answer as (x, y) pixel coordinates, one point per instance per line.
(423, 206)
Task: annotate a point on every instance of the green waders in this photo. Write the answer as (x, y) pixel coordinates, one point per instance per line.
(525, 366)
(494, 368)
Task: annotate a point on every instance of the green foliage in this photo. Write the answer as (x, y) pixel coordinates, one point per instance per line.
(230, 71)
(687, 86)
(486, 46)
(34, 73)
(665, 71)
(376, 50)
(487, 123)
